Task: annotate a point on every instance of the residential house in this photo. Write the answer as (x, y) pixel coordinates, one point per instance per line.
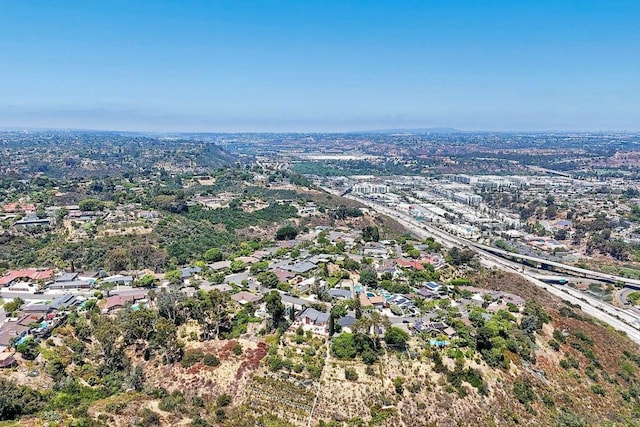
(300, 267)
(118, 302)
(303, 285)
(190, 271)
(314, 320)
(32, 219)
(375, 250)
(7, 360)
(410, 263)
(434, 328)
(283, 275)
(427, 294)
(75, 284)
(11, 330)
(340, 293)
(222, 287)
(32, 274)
(347, 323)
(376, 301)
(118, 279)
(245, 297)
(220, 265)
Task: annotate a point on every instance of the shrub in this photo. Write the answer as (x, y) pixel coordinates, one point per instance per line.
(559, 336)
(398, 384)
(547, 399)
(211, 360)
(221, 415)
(191, 357)
(597, 389)
(583, 337)
(350, 374)
(523, 391)
(172, 402)
(148, 418)
(237, 349)
(223, 400)
(569, 362)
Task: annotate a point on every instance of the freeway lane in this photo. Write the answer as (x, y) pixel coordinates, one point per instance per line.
(599, 310)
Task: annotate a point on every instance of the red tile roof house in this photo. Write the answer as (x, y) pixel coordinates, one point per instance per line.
(31, 273)
(18, 207)
(410, 263)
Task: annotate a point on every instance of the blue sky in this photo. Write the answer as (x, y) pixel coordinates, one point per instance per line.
(320, 65)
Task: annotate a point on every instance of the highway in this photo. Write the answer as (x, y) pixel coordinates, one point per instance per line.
(619, 319)
(623, 296)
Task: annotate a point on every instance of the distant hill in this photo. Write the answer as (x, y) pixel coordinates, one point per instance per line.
(88, 153)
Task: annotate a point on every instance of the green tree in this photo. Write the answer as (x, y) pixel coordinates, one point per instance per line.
(107, 287)
(344, 346)
(146, 281)
(13, 305)
(170, 304)
(268, 279)
(339, 310)
(173, 276)
(332, 325)
(259, 267)
(213, 255)
(237, 266)
(276, 309)
(287, 232)
(165, 338)
(117, 259)
(28, 348)
(350, 264)
(211, 310)
(457, 256)
(16, 400)
(370, 233)
(137, 325)
(368, 277)
(357, 307)
(396, 337)
(91, 205)
(107, 333)
(370, 325)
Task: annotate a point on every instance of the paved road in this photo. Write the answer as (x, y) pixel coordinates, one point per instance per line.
(28, 296)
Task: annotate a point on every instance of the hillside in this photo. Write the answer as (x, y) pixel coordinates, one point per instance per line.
(578, 373)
